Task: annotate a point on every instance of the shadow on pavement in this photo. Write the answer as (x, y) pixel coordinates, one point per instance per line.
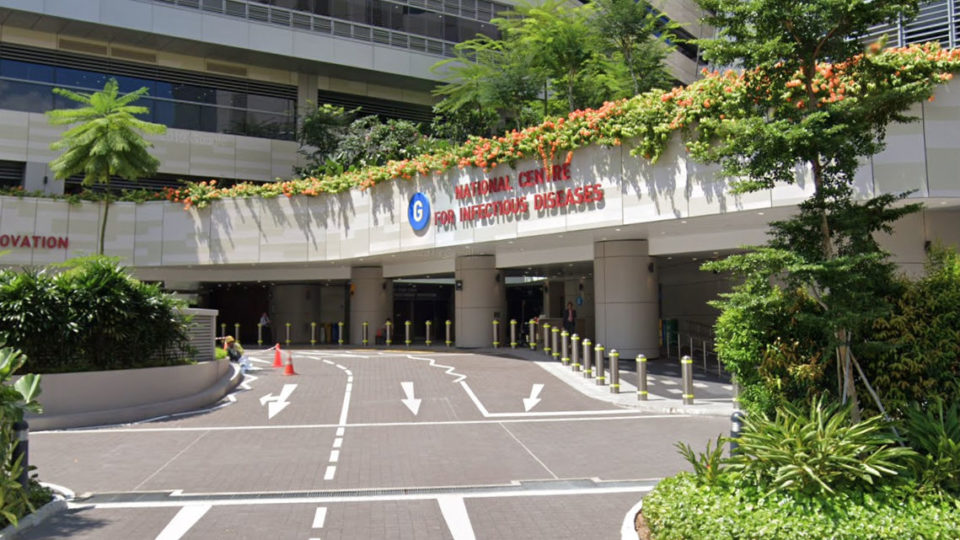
(71, 523)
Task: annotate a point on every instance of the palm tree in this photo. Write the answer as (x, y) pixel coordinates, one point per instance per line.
(106, 142)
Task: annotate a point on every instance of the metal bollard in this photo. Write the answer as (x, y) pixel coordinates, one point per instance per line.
(546, 338)
(449, 341)
(259, 334)
(564, 347)
(429, 333)
(736, 392)
(496, 333)
(642, 393)
(513, 333)
(339, 332)
(555, 346)
(406, 332)
(736, 423)
(533, 335)
(686, 369)
(614, 372)
(22, 451)
(364, 329)
(288, 334)
(223, 329)
(236, 331)
(601, 373)
(587, 369)
(313, 333)
(389, 329)
(575, 349)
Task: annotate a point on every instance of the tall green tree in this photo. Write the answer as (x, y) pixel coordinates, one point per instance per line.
(827, 251)
(106, 142)
(634, 30)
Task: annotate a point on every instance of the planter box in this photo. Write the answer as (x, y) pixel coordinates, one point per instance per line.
(113, 397)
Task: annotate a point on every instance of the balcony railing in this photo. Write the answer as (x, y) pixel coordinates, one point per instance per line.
(318, 23)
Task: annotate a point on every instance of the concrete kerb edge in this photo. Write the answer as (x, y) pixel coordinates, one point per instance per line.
(58, 505)
(628, 529)
(702, 409)
(223, 386)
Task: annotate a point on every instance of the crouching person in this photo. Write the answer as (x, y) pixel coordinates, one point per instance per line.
(235, 353)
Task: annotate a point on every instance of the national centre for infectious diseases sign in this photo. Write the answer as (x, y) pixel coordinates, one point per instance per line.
(474, 199)
(418, 212)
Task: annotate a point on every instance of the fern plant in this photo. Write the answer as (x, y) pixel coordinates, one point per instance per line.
(707, 466)
(935, 434)
(817, 451)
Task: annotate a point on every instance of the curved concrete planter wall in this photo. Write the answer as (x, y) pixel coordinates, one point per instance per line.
(112, 397)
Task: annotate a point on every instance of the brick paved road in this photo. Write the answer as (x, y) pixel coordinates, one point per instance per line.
(345, 456)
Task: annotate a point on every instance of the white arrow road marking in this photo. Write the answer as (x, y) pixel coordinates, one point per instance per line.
(454, 513)
(531, 402)
(277, 403)
(411, 403)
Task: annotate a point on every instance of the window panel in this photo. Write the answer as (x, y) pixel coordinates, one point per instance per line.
(80, 78)
(26, 70)
(24, 96)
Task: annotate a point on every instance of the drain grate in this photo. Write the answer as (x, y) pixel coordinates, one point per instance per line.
(538, 485)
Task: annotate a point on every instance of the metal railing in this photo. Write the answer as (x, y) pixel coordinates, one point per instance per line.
(301, 20)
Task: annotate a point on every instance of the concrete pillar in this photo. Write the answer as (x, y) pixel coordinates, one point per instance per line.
(625, 289)
(371, 300)
(480, 296)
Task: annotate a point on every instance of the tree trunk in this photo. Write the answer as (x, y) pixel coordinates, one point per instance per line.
(103, 226)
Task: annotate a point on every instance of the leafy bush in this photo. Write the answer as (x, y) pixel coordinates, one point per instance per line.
(921, 358)
(682, 508)
(935, 434)
(707, 466)
(817, 452)
(92, 316)
(15, 399)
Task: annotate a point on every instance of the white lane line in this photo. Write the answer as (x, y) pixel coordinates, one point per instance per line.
(452, 371)
(334, 456)
(320, 517)
(338, 442)
(534, 456)
(331, 472)
(329, 362)
(473, 397)
(455, 514)
(186, 518)
(260, 500)
(628, 414)
(340, 431)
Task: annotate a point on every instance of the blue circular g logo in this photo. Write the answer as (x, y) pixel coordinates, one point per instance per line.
(419, 211)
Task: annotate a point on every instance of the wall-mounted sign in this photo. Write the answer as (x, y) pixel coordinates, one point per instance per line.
(34, 241)
(419, 211)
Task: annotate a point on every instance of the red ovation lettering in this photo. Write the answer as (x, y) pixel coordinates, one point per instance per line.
(483, 187)
(35, 242)
(562, 198)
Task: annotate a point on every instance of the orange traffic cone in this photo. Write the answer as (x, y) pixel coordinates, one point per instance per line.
(277, 359)
(289, 369)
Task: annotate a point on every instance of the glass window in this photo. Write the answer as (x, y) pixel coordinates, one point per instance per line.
(25, 96)
(80, 78)
(132, 84)
(26, 70)
(387, 15)
(197, 94)
(451, 28)
(351, 10)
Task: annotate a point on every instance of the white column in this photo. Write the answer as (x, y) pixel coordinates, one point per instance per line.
(371, 300)
(480, 297)
(625, 288)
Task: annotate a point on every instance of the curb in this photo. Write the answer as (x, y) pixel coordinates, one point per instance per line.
(627, 530)
(52, 508)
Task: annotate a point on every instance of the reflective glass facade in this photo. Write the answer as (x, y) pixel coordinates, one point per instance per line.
(28, 86)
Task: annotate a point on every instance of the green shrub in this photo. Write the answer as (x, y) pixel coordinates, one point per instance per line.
(707, 466)
(934, 433)
(681, 508)
(15, 399)
(92, 316)
(817, 451)
(920, 356)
